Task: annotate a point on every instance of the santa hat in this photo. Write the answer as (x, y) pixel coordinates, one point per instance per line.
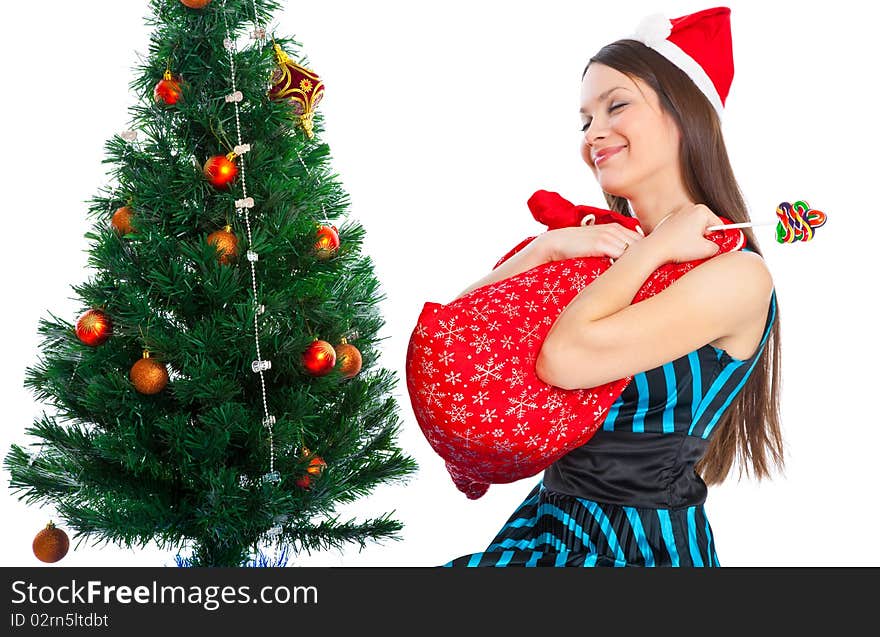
(699, 44)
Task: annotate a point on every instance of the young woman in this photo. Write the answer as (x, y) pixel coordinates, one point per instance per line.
(703, 353)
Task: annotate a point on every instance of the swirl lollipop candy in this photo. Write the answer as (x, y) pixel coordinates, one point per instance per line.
(796, 222)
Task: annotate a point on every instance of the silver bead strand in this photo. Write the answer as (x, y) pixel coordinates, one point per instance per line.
(259, 365)
(259, 32)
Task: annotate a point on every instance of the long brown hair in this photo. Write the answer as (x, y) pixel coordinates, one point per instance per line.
(750, 428)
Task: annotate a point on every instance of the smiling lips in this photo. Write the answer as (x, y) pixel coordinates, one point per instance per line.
(605, 153)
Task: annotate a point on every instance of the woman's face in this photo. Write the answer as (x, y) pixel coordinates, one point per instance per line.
(615, 112)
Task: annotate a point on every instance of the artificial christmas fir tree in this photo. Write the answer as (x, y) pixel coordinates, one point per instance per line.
(200, 400)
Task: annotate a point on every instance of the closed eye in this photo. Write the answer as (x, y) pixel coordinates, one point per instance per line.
(587, 125)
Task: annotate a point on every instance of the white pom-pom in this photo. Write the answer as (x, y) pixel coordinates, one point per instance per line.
(652, 29)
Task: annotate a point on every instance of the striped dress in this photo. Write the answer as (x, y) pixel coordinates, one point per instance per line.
(630, 496)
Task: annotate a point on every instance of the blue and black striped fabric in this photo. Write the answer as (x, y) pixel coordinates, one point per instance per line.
(555, 529)
(630, 496)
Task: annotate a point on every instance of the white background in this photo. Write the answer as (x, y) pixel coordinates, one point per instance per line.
(442, 120)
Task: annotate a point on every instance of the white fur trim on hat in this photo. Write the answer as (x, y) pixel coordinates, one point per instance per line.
(652, 32)
(653, 28)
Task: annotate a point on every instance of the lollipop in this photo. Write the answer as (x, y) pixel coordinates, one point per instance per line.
(796, 222)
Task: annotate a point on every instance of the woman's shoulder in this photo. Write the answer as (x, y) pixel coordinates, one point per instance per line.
(749, 269)
(745, 262)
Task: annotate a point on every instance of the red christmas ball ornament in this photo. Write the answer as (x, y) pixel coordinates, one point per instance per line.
(327, 243)
(221, 170)
(167, 90)
(51, 544)
(94, 327)
(319, 358)
(195, 4)
(226, 244)
(304, 481)
(349, 358)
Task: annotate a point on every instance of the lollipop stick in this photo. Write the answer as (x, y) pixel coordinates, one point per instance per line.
(746, 224)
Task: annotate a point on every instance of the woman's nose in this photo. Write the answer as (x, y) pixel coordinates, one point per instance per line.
(590, 142)
(593, 134)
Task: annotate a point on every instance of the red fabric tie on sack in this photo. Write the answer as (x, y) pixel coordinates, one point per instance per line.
(470, 364)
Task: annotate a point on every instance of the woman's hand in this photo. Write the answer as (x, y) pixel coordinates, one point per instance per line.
(603, 240)
(681, 236)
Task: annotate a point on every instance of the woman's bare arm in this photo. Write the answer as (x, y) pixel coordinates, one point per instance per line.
(534, 254)
(601, 336)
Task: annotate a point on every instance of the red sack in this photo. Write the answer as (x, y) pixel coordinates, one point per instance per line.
(470, 365)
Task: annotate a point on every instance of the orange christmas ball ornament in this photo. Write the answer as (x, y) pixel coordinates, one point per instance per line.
(51, 544)
(319, 358)
(316, 466)
(327, 243)
(149, 375)
(167, 90)
(226, 244)
(94, 327)
(349, 358)
(195, 4)
(221, 170)
(121, 220)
